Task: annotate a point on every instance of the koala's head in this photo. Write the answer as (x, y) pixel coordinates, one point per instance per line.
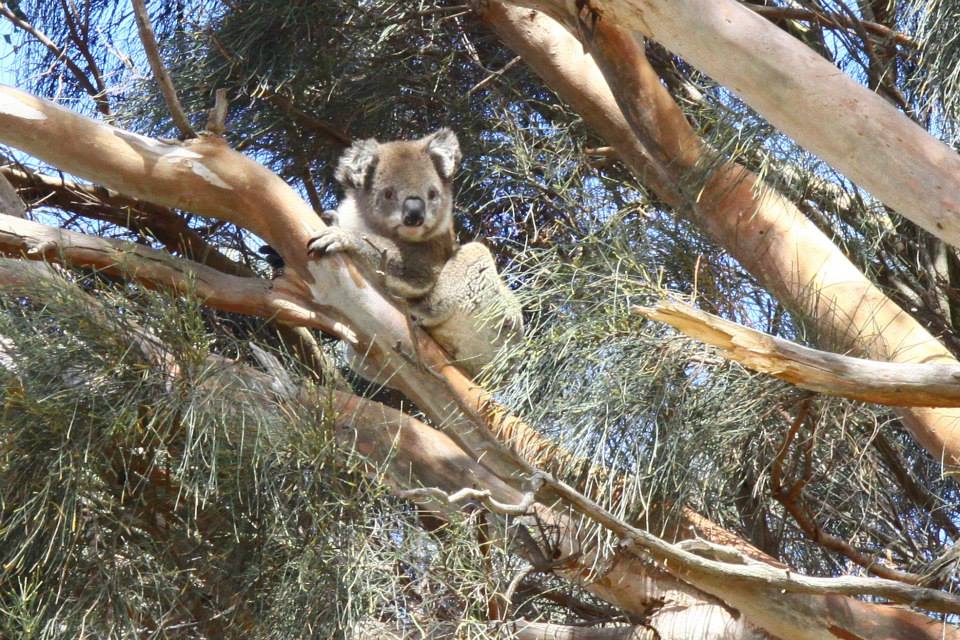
(404, 189)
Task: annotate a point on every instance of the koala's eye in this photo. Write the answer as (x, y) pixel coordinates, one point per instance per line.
(432, 194)
(388, 194)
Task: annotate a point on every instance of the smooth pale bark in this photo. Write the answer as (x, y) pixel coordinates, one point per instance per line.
(804, 95)
(770, 237)
(892, 383)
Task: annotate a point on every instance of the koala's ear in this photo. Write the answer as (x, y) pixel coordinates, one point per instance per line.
(357, 164)
(444, 150)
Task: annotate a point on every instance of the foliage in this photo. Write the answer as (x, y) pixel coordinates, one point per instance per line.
(205, 504)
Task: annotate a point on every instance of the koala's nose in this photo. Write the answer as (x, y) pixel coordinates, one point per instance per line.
(413, 211)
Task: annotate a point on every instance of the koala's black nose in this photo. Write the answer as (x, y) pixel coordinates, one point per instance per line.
(413, 211)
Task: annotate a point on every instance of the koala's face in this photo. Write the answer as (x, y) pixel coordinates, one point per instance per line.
(403, 188)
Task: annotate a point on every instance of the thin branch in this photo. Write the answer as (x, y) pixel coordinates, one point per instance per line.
(328, 131)
(159, 71)
(431, 493)
(758, 576)
(217, 117)
(98, 95)
(154, 268)
(890, 383)
(494, 75)
(83, 46)
(791, 497)
(833, 20)
(149, 220)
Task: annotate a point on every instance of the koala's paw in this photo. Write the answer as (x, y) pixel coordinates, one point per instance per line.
(331, 240)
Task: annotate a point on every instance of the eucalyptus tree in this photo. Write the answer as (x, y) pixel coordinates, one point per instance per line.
(184, 452)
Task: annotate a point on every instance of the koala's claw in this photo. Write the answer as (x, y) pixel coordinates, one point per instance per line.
(329, 240)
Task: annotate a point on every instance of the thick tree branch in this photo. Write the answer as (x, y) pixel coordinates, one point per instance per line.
(167, 89)
(890, 383)
(770, 237)
(802, 94)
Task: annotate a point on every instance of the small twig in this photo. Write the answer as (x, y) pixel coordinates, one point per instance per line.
(159, 71)
(483, 496)
(41, 248)
(834, 20)
(507, 595)
(492, 76)
(217, 116)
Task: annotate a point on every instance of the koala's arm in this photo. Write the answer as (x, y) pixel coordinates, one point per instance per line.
(471, 311)
(379, 257)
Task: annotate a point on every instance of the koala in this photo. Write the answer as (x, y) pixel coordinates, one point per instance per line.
(396, 219)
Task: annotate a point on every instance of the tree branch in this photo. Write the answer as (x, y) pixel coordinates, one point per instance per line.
(167, 89)
(834, 20)
(890, 383)
(153, 268)
(147, 219)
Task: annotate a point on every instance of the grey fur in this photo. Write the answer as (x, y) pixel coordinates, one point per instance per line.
(453, 291)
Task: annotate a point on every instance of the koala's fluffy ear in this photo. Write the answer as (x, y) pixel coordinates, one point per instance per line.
(357, 164)
(444, 150)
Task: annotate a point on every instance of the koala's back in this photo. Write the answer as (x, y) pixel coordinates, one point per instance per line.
(471, 312)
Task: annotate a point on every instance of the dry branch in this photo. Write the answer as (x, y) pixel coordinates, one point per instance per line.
(169, 92)
(251, 296)
(889, 383)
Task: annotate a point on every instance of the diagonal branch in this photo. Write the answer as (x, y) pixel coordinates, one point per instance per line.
(833, 20)
(98, 94)
(891, 383)
(169, 92)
